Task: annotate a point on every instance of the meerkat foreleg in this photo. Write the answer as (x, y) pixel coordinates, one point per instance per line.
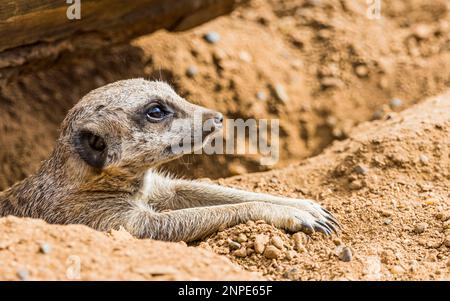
(173, 194)
(194, 223)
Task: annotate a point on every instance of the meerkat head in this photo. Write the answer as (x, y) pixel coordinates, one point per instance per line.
(133, 124)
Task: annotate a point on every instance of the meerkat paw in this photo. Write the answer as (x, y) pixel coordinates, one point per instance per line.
(318, 212)
(308, 217)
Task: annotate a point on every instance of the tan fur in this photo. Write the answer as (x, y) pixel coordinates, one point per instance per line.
(127, 191)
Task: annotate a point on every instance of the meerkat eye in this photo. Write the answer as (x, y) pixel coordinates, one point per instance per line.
(96, 143)
(156, 113)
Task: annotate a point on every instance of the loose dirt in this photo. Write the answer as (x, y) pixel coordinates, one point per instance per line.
(349, 92)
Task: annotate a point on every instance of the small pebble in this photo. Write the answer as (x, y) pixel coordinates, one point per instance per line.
(423, 31)
(331, 82)
(424, 159)
(337, 242)
(277, 242)
(242, 252)
(361, 169)
(397, 270)
(355, 185)
(234, 245)
(299, 241)
(387, 221)
(272, 252)
(395, 103)
(346, 254)
(242, 238)
(420, 228)
(45, 248)
(260, 243)
(281, 93)
(212, 37)
(290, 273)
(386, 213)
(378, 114)
(361, 70)
(245, 56)
(291, 255)
(191, 71)
(447, 241)
(445, 216)
(261, 96)
(22, 274)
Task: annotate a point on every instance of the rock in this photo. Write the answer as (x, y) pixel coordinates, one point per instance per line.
(447, 241)
(242, 252)
(277, 242)
(361, 169)
(331, 82)
(274, 181)
(242, 238)
(345, 254)
(387, 256)
(420, 228)
(387, 221)
(212, 37)
(378, 114)
(281, 93)
(291, 273)
(22, 274)
(423, 31)
(355, 185)
(245, 56)
(396, 269)
(386, 213)
(261, 241)
(45, 248)
(191, 71)
(260, 95)
(299, 241)
(424, 159)
(272, 252)
(395, 103)
(233, 245)
(445, 216)
(337, 242)
(291, 255)
(362, 70)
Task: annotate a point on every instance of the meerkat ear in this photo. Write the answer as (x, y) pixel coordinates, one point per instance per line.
(92, 148)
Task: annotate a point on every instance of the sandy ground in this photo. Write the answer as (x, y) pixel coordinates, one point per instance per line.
(388, 184)
(350, 93)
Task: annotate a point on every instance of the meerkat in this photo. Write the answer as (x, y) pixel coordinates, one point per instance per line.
(102, 173)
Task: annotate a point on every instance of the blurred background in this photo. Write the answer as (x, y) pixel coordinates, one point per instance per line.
(319, 66)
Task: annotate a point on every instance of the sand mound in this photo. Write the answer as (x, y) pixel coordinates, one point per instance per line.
(387, 184)
(33, 250)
